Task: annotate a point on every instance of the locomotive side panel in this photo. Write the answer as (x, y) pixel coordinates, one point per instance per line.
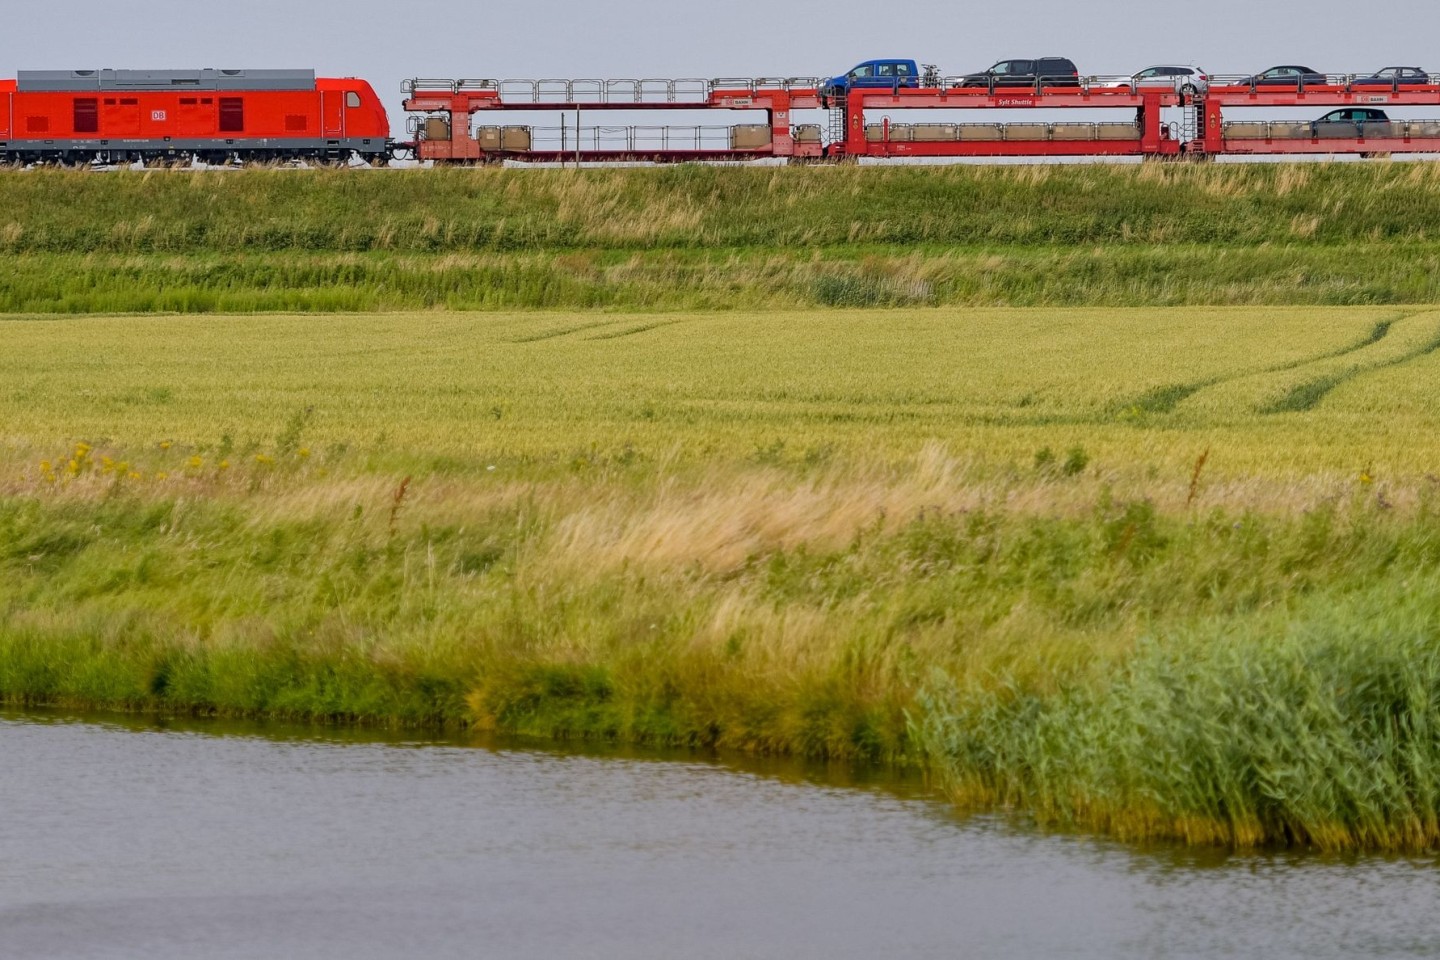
(365, 115)
(7, 92)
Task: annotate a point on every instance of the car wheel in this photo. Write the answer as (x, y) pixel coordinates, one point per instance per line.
(1188, 90)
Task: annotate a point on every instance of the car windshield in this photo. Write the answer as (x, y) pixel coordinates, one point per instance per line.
(861, 71)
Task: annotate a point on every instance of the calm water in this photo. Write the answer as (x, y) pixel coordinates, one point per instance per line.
(133, 841)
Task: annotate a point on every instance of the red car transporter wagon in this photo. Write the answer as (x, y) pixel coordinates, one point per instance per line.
(215, 116)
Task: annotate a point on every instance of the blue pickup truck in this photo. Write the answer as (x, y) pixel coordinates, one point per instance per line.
(888, 74)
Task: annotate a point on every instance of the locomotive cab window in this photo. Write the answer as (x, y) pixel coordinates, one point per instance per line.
(87, 115)
(232, 114)
(352, 99)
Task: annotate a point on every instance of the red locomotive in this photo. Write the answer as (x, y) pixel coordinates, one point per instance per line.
(215, 116)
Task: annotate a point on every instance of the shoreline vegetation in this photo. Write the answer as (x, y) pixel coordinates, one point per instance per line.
(1163, 572)
(1147, 667)
(717, 239)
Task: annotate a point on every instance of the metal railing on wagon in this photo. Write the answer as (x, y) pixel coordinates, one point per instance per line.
(640, 92)
(636, 140)
(1345, 81)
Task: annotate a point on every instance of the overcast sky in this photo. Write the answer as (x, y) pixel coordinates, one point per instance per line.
(386, 42)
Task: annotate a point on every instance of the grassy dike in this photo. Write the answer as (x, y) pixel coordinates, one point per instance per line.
(720, 238)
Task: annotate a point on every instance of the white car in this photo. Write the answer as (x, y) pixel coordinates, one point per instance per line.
(1181, 79)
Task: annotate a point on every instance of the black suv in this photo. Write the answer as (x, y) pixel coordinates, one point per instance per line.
(1046, 71)
(1353, 122)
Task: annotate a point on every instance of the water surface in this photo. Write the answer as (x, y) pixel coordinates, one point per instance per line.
(122, 840)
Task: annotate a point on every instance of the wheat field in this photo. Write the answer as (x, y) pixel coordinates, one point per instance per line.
(1282, 394)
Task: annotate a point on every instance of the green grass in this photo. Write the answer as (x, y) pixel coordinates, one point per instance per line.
(714, 238)
(1088, 564)
(698, 207)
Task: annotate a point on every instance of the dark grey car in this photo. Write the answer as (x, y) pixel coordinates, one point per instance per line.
(1395, 77)
(1288, 75)
(1044, 71)
(1348, 122)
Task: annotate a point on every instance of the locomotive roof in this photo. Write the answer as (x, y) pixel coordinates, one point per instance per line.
(81, 80)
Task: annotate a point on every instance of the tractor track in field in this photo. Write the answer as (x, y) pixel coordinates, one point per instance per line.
(1167, 397)
(1308, 395)
(632, 331)
(564, 331)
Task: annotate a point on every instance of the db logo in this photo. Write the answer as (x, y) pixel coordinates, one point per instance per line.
(157, 115)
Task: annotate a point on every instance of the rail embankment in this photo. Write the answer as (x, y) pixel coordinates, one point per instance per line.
(719, 238)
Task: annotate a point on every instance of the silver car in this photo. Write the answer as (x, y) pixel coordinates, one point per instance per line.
(1182, 79)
